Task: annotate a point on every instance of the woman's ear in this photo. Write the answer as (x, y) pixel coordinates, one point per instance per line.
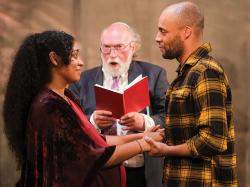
(53, 58)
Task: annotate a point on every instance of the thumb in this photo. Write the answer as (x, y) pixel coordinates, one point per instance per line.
(155, 128)
(149, 140)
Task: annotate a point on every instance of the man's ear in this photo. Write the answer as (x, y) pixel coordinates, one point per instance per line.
(134, 47)
(53, 58)
(187, 32)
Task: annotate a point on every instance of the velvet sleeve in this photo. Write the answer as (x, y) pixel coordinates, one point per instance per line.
(63, 154)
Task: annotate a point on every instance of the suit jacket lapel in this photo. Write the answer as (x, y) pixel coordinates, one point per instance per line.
(134, 71)
(99, 76)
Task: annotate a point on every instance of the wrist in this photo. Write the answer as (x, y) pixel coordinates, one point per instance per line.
(144, 145)
(140, 146)
(141, 126)
(148, 122)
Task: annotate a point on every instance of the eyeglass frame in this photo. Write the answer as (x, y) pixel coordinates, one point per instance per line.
(75, 53)
(116, 48)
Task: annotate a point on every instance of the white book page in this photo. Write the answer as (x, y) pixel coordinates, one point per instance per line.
(100, 86)
(137, 79)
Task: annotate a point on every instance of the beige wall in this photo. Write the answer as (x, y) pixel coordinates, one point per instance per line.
(227, 27)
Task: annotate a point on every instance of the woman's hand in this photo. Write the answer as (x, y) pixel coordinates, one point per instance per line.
(156, 148)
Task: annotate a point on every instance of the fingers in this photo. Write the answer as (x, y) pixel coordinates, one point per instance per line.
(128, 115)
(162, 132)
(128, 118)
(127, 121)
(155, 128)
(103, 113)
(133, 121)
(150, 141)
(154, 147)
(103, 118)
(131, 116)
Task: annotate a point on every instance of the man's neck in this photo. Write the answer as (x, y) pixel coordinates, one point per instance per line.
(188, 51)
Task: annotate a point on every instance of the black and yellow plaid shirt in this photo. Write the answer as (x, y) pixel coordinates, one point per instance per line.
(199, 113)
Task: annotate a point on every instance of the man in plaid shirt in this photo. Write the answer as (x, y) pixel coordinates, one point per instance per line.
(200, 139)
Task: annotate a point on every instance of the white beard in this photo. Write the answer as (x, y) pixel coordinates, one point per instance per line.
(123, 66)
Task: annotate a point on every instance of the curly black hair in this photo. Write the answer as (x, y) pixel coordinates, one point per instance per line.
(31, 71)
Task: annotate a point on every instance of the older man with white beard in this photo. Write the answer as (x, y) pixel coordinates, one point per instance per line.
(119, 46)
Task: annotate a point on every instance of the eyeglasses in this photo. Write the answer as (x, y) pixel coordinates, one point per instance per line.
(106, 49)
(75, 53)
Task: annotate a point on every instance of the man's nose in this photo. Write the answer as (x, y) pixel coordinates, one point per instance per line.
(157, 37)
(113, 52)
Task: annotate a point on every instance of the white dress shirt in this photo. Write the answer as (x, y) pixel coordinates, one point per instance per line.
(138, 160)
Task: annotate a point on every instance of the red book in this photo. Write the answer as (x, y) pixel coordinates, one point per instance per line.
(133, 99)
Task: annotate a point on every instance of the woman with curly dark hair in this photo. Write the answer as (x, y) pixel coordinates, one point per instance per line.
(53, 141)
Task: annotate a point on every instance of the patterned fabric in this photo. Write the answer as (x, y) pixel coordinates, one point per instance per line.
(59, 152)
(199, 113)
(93, 134)
(108, 80)
(115, 84)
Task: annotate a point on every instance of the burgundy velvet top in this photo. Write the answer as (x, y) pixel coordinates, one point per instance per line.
(60, 152)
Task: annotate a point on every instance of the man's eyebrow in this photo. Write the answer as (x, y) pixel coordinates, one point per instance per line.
(162, 29)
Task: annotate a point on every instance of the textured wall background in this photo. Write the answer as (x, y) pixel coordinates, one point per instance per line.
(227, 27)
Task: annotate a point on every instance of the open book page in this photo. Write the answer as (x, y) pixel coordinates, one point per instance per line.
(117, 91)
(137, 79)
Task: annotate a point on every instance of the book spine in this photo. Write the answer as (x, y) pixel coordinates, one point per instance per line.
(124, 104)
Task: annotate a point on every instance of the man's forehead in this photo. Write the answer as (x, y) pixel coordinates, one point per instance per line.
(167, 19)
(115, 36)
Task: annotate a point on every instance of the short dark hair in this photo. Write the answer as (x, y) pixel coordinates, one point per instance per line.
(188, 13)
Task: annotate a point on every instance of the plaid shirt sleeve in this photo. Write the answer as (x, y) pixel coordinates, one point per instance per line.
(210, 103)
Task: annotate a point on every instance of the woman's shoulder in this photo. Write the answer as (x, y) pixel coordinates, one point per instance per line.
(49, 102)
(49, 108)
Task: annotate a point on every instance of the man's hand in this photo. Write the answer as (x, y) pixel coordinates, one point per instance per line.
(133, 121)
(156, 133)
(156, 148)
(103, 118)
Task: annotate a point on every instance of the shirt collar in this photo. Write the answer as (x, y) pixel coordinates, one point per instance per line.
(108, 76)
(193, 59)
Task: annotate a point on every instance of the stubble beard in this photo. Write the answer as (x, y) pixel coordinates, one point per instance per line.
(174, 49)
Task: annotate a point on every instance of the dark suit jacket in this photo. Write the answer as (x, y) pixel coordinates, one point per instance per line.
(158, 85)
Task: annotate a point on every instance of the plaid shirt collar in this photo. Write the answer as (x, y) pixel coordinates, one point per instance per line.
(195, 57)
